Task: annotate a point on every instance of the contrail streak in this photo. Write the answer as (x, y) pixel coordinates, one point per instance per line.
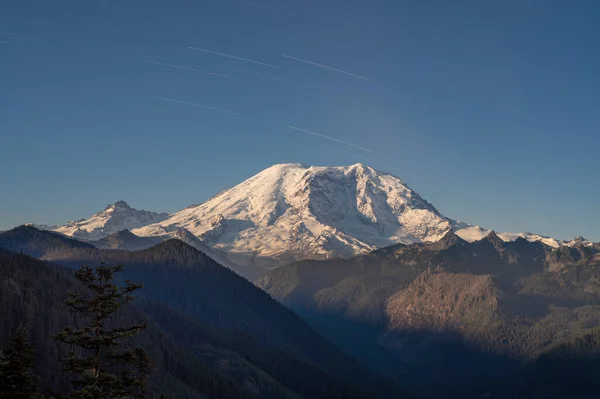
(535, 134)
(355, 156)
(18, 43)
(251, 3)
(189, 69)
(327, 67)
(27, 35)
(233, 56)
(263, 75)
(570, 145)
(376, 163)
(196, 105)
(331, 138)
(418, 135)
(383, 12)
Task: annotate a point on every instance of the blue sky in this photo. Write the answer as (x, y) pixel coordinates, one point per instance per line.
(488, 109)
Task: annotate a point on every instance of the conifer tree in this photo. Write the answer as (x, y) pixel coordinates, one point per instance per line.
(103, 369)
(17, 381)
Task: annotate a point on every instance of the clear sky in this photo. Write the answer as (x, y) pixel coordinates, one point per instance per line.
(489, 109)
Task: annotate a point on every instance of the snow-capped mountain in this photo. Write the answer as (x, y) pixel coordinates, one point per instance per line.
(579, 241)
(114, 218)
(293, 211)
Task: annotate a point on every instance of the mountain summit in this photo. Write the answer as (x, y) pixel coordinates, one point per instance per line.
(114, 218)
(293, 211)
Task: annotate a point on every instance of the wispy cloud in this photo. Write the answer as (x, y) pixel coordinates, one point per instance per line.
(374, 162)
(331, 138)
(263, 75)
(327, 67)
(171, 100)
(189, 69)
(233, 56)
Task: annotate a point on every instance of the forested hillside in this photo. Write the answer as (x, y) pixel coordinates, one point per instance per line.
(231, 327)
(463, 315)
(33, 295)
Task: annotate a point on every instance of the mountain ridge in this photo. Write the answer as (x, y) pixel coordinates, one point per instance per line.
(293, 211)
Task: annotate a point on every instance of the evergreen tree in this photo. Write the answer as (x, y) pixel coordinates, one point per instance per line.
(103, 369)
(16, 378)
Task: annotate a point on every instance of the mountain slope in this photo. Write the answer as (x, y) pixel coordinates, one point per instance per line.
(569, 370)
(480, 307)
(183, 280)
(33, 295)
(37, 243)
(125, 239)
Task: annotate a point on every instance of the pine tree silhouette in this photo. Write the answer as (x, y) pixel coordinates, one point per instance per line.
(17, 381)
(103, 369)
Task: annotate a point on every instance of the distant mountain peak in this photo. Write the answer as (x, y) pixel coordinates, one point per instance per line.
(124, 233)
(177, 247)
(451, 237)
(114, 218)
(124, 239)
(493, 238)
(580, 241)
(449, 240)
(118, 204)
(362, 167)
